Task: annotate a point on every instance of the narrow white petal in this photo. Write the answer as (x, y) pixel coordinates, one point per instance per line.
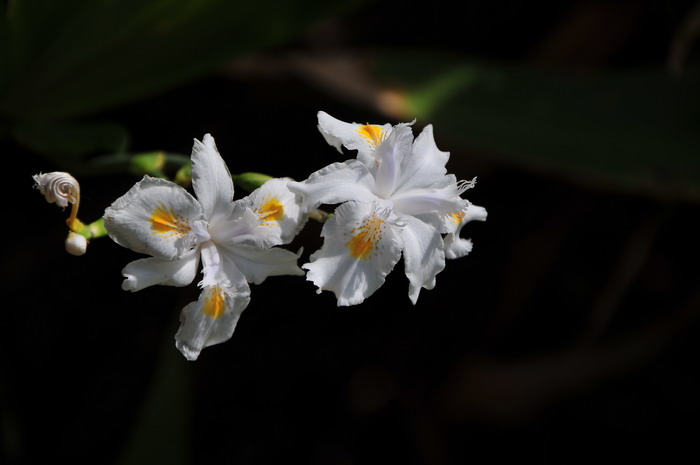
(361, 137)
(455, 246)
(211, 179)
(240, 227)
(256, 264)
(146, 272)
(424, 164)
(389, 155)
(361, 246)
(419, 202)
(211, 319)
(336, 183)
(220, 267)
(154, 217)
(423, 254)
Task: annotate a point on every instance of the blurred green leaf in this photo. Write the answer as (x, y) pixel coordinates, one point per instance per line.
(633, 131)
(163, 428)
(250, 181)
(75, 57)
(67, 142)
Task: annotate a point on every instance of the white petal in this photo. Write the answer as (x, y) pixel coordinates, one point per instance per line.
(455, 246)
(211, 319)
(389, 156)
(422, 201)
(146, 272)
(423, 254)
(256, 264)
(154, 217)
(278, 210)
(361, 137)
(448, 214)
(336, 183)
(361, 246)
(220, 268)
(424, 164)
(240, 227)
(211, 180)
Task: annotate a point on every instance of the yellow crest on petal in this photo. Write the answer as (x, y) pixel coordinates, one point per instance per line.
(164, 221)
(365, 237)
(373, 133)
(272, 210)
(215, 303)
(458, 216)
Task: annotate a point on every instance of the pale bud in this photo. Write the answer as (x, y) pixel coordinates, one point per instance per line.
(58, 187)
(76, 244)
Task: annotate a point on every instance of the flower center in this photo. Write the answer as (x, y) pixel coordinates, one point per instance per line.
(365, 237)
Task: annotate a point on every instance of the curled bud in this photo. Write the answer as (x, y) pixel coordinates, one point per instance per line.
(58, 187)
(76, 244)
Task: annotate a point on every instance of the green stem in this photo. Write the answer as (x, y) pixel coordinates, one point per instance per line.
(94, 230)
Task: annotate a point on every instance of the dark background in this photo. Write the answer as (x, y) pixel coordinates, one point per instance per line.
(569, 335)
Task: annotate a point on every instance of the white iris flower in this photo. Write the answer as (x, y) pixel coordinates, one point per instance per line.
(233, 240)
(396, 199)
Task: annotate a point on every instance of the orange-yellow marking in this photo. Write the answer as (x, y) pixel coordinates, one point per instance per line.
(272, 210)
(373, 133)
(215, 303)
(164, 221)
(458, 216)
(365, 238)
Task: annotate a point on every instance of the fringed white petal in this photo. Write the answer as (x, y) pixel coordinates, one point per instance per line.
(353, 136)
(154, 217)
(361, 246)
(211, 319)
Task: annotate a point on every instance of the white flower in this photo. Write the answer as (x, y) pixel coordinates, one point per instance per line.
(397, 199)
(233, 240)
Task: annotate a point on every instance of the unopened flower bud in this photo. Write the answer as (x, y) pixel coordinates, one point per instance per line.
(76, 244)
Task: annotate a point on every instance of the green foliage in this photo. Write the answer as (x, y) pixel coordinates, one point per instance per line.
(62, 62)
(250, 181)
(633, 131)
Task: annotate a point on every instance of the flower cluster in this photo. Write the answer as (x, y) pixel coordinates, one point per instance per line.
(395, 199)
